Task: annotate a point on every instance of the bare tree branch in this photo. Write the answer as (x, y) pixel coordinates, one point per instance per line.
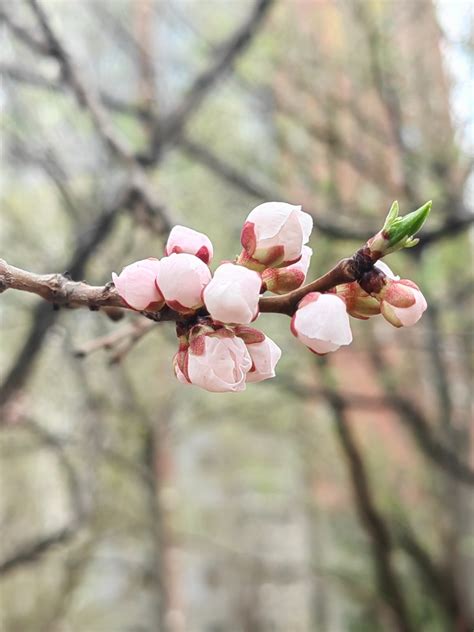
(440, 580)
(455, 224)
(62, 291)
(43, 316)
(120, 342)
(371, 519)
(173, 125)
(24, 35)
(30, 552)
(26, 76)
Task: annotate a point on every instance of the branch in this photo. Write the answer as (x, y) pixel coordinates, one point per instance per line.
(440, 580)
(62, 291)
(372, 520)
(26, 76)
(458, 221)
(24, 35)
(86, 96)
(43, 317)
(410, 415)
(29, 553)
(120, 341)
(174, 124)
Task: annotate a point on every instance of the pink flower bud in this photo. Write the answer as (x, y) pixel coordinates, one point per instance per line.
(274, 234)
(216, 361)
(136, 285)
(264, 356)
(183, 239)
(321, 322)
(401, 303)
(283, 280)
(232, 295)
(181, 279)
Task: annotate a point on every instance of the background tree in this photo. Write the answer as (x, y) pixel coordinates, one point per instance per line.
(337, 497)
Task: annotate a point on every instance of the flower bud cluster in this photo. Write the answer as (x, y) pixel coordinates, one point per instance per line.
(218, 350)
(399, 301)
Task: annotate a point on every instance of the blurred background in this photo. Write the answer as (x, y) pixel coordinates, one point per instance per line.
(337, 496)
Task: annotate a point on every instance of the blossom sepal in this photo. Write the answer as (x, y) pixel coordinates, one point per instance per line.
(249, 335)
(283, 280)
(359, 303)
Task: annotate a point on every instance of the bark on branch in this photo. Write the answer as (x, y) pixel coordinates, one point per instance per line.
(60, 290)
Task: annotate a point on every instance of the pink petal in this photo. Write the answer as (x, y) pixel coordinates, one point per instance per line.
(222, 367)
(265, 356)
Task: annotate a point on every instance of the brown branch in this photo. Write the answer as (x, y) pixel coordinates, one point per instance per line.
(32, 79)
(441, 581)
(410, 415)
(140, 186)
(371, 518)
(43, 316)
(30, 552)
(62, 291)
(459, 218)
(120, 341)
(169, 130)
(84, 94)
(24, 35)
(413, 418)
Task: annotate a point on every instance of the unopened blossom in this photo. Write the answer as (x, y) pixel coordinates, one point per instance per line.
(401, 302)
(136, 285)
(321, 322)
(265, 356)
(283, 280)
(181, 279)
(183, 239)
(216, 361)
(232, 295)
(274, 234)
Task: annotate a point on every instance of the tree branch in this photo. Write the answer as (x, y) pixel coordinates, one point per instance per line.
(173, 125)
(62, 291)
(371, 518)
